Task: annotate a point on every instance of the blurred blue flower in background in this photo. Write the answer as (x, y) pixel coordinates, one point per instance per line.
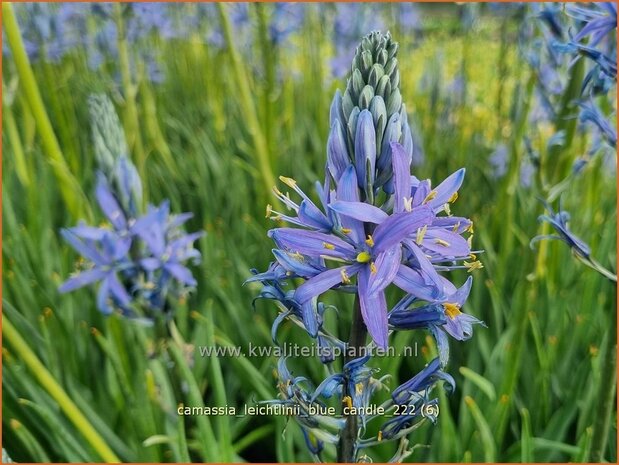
(138, 259)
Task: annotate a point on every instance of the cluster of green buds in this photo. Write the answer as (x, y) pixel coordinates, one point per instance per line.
(112, 153)
(369, 116)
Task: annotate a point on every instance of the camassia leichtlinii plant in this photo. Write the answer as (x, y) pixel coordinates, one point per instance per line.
(138, 257)
(375, 226)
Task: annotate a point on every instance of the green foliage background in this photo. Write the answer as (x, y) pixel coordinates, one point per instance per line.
(528, 385)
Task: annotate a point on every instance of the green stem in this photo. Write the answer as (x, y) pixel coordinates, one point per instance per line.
(55, 390)
(267, 51)
(249, 111)
(70, 189)
(347, 450)
(12, 133)
(606, 394)
(219, 391)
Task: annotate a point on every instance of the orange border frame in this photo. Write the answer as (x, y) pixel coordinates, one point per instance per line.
(270, 1)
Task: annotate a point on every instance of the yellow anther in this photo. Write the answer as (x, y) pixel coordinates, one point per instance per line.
(471, 266)
(453, 197)
(469, 241)
(359, 389)
(442, 242)
(277, 192)
(345, 277)
(348, 401)
(288, 181)
(373, 268)
(380, 436)
(452, 310)
(473, 256)
(269, 210)
(456, 226)
(408, 204)
(346, 230)
(429, 197)
(369, 241)
(328, 246)
(470, 228)
(421, 232)
(363, 257)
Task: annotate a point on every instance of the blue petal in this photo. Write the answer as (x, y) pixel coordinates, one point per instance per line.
(446, 243)
(442, 344)
(373, 310)
(329, 386)
(310, 215)
(447, 188)
(83, 279)
(428, 272)
(398, 226)
(463, 293)
(181, 273)
(337, 153)
(109, 204)
(421, 192)
(323, 282)
(89, 232)
(85, 249)
(401, 176)
(348, 190)
(418, 317)
(310, 317)
(360, 211)
(412, 281)
(298, 265)
(150, 263)
(103, 297)
(312, 243)
(117, 289)
(365, 149)
(387, 265)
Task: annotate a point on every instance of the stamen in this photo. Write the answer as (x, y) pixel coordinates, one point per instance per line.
(345, 277)
(442, 242)
(429, 197)
(408, 204)
(348, 401)
(421, 232)
(456, 227)
(269, 210)
(369, 241)
(346, 230)
(470, 228)
(453, 197)
(373, 268)
(359, 388)
(452, 310)
(471, 266)
(469, 241)
(447, 209)
(328, 246)
(288, 181)
(380, 436)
